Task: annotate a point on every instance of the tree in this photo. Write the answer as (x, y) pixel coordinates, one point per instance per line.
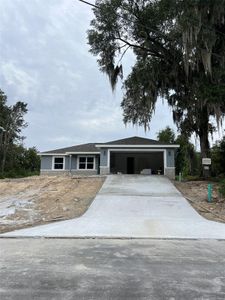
(180, 56)
(187, 161)
(218, 157)
(186, 156)
(166, 135)
(31, 160)
(12, 120)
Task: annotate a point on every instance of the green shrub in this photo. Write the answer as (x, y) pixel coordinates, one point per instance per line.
(222, 187)
(18, 174)
(177, 178)
(10, 174)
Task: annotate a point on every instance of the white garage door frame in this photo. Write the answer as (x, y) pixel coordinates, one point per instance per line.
(138, 150)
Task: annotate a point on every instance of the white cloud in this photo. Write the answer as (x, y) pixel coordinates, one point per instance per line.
(18, 77)
(45, 62)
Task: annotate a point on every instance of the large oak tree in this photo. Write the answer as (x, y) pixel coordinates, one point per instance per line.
(179, 47)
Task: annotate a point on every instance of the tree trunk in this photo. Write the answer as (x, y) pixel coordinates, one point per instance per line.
(204, 139)
(204, 144)
(204, 132)
(4, 152)
(1, 149)
(3, 161)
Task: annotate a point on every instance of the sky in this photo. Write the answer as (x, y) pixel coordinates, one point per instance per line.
(45, 62)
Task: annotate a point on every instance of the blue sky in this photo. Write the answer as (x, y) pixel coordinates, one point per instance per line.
(45, 62)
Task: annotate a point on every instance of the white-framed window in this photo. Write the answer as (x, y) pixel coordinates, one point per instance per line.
(86, 163)
(58, 163)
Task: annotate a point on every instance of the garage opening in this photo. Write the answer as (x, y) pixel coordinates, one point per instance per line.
(135, 163)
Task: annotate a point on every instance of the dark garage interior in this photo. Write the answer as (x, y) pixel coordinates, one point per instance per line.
(135, 163)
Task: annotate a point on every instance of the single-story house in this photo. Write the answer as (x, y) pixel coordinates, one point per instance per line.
(134, 155)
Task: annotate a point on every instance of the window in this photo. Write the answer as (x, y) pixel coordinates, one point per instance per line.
(86, 163)
(58, 163)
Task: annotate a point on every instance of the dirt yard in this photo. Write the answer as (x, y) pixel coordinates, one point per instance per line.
(196, 193)
(43, 199)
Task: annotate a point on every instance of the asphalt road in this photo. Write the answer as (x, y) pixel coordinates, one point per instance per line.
(63, 269)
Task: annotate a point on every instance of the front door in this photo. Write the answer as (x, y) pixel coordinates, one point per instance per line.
(130, 165)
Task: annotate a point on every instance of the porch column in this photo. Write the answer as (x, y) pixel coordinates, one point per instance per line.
(105, 162)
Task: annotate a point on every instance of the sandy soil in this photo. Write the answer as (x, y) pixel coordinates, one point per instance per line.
(42, 199)
(196, 193)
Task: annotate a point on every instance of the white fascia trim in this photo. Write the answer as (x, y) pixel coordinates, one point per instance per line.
(137, 150)
(67, 153)
(140, 146)
(83, 153)
(50, 154)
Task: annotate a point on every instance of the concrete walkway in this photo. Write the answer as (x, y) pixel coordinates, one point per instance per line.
(130, 206)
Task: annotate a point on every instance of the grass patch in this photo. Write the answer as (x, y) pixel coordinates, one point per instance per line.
(222, 188)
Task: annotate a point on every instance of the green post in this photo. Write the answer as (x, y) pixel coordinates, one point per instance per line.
(209, 192)
(180, 177)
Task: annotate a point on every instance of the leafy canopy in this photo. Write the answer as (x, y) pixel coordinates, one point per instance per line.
(166, 135)
(14, 158)
(179, 47)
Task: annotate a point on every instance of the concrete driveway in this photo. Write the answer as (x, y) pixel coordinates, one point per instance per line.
(130, 206)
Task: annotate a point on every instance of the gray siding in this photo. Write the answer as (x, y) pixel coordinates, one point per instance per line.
(170, 158)
(74, 162)
(104, 157)
(97, 163)
(46, 162)
(67, 163)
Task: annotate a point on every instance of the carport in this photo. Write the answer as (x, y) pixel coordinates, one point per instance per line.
(130, 162)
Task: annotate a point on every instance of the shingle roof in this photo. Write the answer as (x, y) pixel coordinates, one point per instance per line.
(135, 140)
(90, 147)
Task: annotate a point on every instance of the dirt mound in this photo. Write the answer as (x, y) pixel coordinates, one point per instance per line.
(42, 199)
(196, 193)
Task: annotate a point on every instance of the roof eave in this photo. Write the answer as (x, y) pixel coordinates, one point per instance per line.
(50, 154)
(83, 152)
(67, 153)
(135, 146)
